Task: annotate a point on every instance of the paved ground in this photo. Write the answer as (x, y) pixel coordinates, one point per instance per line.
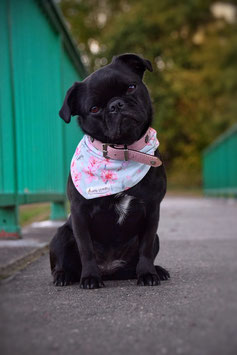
(194, 313)
(35, 236)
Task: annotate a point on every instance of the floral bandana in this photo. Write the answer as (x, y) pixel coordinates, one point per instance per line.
(96, 176)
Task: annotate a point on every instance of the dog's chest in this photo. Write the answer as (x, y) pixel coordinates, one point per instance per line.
(115, 230)
(123, 206)
(117, 219)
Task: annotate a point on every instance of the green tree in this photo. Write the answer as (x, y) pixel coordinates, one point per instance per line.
(194, 54)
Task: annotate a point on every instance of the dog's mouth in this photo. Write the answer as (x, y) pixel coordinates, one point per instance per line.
(119, 128)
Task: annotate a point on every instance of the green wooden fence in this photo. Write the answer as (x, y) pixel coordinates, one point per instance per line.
(38, 63)
(220, 165)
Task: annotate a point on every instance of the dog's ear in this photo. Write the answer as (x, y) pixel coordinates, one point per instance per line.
(134, 62)
(71, 102)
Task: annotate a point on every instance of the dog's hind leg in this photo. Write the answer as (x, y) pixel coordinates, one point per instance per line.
(163, 274)
(64, 257)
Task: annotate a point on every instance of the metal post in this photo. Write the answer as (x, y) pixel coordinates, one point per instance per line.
(9, 222)
(58, 210)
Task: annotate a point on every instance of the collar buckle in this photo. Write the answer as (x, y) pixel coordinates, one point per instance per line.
(125, 151)
(105, 150)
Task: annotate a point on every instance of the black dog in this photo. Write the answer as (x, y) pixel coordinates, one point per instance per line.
(113, 106)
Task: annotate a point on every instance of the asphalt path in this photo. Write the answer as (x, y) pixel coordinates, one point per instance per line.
(195, 312)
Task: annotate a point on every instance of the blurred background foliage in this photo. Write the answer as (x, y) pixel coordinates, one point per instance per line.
(193, 48)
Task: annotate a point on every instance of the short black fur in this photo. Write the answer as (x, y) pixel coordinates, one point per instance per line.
(113, 105)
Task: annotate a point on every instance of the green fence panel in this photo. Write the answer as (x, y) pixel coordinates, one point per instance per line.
(37, 98)
(38, 63)
(7, 142)
(220, 165)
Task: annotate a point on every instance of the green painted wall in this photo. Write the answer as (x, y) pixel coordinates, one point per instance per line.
(35, 72)
(7, 157)
(220, 165)
(38, 63)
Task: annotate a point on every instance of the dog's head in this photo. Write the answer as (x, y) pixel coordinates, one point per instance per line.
(112, 104)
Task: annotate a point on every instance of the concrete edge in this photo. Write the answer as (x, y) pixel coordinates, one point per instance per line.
(21, 263)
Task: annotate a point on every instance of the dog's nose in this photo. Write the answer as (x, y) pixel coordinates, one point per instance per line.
(116, 105)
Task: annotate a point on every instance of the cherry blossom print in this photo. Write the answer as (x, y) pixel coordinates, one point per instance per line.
(90, 171)
(107, 161)
(77, 177)
(108, 176)
(94, 163)
(90, 176)
(78, 150)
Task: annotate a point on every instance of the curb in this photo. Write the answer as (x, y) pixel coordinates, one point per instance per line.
(21, 263)
(47, 227)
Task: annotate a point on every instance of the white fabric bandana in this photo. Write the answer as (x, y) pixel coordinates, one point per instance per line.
(96, 176)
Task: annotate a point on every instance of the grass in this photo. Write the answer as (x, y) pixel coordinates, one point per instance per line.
(185, 192)
(33, 213)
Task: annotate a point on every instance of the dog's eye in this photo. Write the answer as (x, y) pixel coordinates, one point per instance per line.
(94, 109)
(131, 88)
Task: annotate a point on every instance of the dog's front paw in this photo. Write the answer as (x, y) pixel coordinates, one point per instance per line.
(148, 280)
(62, 278)
(162, 273)
(91, 282)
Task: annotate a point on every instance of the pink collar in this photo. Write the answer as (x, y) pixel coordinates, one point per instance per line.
(130, 152)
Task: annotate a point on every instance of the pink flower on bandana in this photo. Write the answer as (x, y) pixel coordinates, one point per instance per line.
(94, 163)
(89, 174)
(77, 177)
(108, 175)
(78, 150)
